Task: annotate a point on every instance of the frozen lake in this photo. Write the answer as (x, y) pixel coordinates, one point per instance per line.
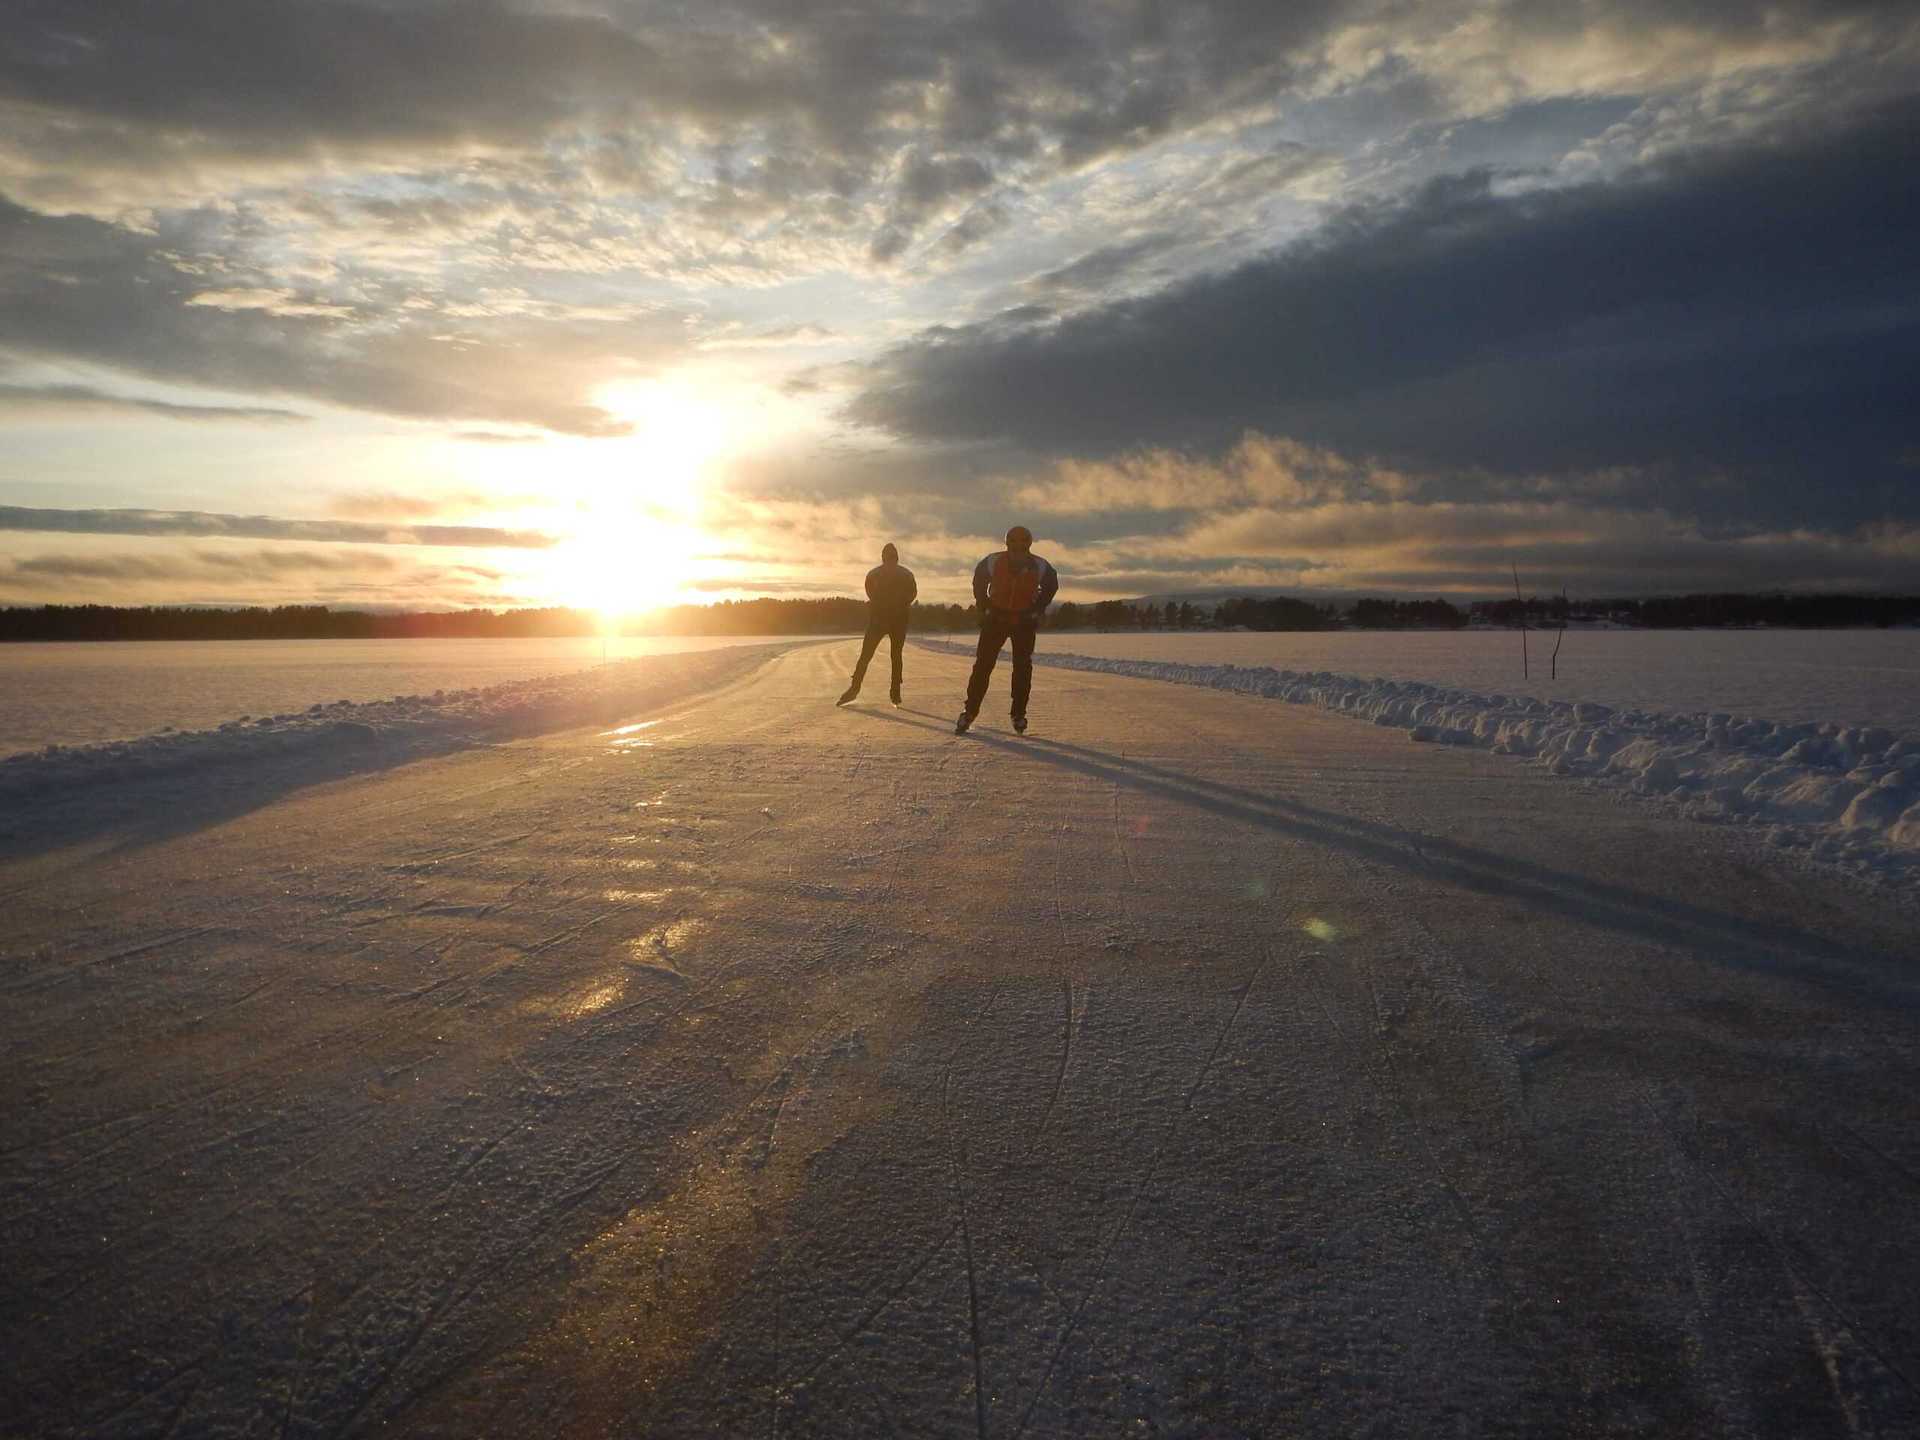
(78, 693)
(1862, 677)
(74, 694)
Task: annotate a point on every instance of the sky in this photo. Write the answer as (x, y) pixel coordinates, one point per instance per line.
(621, 304)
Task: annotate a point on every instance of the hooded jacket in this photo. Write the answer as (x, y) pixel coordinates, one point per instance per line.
(891, 588)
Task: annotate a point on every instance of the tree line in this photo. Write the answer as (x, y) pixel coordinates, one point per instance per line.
(1708, 611)
(840, 615)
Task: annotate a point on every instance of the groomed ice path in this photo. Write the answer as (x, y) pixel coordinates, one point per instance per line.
(739, 1066)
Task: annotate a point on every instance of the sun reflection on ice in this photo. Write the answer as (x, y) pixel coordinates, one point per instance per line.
(579, 1004)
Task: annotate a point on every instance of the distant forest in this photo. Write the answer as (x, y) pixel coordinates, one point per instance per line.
(839, 616)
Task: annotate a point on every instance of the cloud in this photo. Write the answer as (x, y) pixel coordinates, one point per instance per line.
(762, 116)
(1753, 312)
(263, 527)
(78, 289)
(390, 505)
(170, 573)
(198, 564)
(926, 185)
(270, 302)
(1273, 512)
(777, 337)
(1623, 256)
(752, 585)
(1259, 470)
(1276, 513)
(42, 401)
(1098, 271)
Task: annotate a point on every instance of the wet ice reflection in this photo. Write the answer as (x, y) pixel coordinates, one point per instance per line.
(660, 948)
(627, 737)
(588, 1000)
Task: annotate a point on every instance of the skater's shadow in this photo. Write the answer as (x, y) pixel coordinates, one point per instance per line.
(1728, 939)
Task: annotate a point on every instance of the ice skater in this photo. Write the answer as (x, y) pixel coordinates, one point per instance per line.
(890, 593)
(1013, 588)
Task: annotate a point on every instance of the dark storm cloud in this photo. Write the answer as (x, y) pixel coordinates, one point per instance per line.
(72, 288)
(39, 401)
(262, 527)
(1753, 313)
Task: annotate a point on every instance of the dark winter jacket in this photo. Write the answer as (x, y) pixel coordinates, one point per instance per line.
(891, 588)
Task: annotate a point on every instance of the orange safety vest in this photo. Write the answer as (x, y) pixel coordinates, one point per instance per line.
(1010, 588)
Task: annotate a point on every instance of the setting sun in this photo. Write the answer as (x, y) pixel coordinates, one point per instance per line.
(632, 531)
(622, 564)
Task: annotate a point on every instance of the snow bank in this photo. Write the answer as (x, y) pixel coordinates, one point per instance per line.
(410, 724)
(1845, 794)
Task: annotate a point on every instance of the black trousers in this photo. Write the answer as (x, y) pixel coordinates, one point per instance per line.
(995, 631)
(895, 629)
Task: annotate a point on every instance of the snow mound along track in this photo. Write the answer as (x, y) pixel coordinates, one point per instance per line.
(1847, 795)
(443, 720)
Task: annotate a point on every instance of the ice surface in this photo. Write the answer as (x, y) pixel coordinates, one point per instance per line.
(1190, 1066)
(1846, 794)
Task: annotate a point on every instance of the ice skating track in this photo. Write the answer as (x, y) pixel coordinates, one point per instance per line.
(1192, 1066)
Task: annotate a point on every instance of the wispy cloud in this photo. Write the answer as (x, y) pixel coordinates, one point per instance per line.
(270, 302)
(263, 527)
(32, 402)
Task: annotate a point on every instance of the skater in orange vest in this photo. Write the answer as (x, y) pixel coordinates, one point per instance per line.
(1013, 588)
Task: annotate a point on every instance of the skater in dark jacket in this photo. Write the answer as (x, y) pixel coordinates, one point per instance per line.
(890, 593)
(1013, 588)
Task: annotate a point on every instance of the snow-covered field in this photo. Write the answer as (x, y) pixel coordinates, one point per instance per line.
(1852, 677)
(1846, 794)
(1194, 1065)
(87, 783)
(77, 694)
